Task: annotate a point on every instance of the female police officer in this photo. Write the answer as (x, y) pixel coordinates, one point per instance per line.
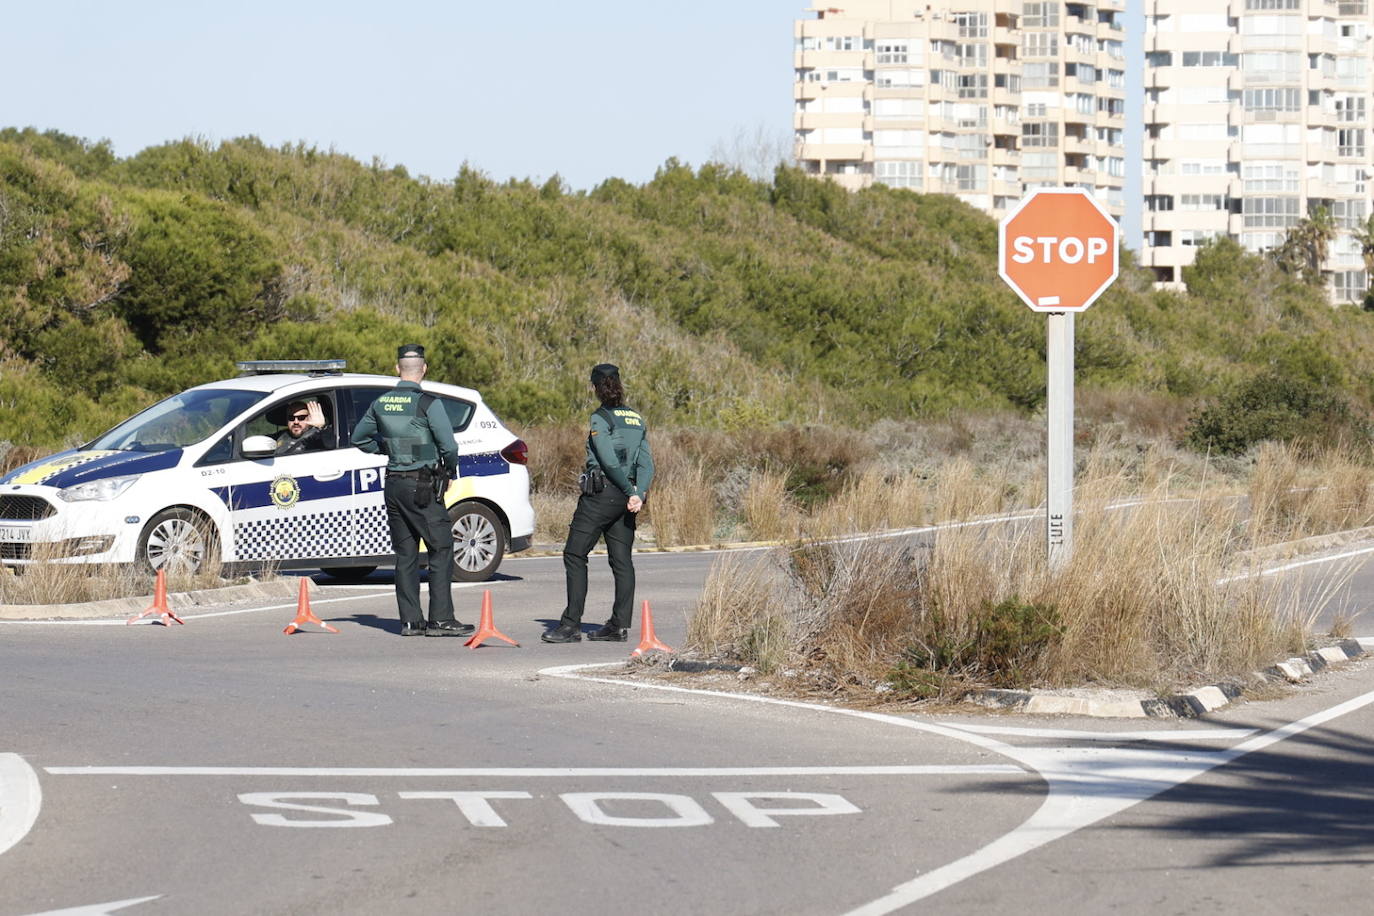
(617, 456)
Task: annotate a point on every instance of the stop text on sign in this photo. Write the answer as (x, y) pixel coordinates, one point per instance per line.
(1069, 249)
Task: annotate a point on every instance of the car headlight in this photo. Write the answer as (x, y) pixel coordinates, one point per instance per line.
(103, 490)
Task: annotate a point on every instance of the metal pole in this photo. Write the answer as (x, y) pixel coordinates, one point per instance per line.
(1059, 438)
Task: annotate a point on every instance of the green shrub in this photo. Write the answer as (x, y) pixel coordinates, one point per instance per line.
(1272, 407)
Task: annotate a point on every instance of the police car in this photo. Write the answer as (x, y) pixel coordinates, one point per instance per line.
(205, 477)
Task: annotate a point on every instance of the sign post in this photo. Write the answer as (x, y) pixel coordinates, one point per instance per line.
(1059, 251)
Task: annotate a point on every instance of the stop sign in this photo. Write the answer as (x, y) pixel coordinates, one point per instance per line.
(1058, 249)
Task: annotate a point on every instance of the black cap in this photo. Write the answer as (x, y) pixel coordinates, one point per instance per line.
(414, 351)
(604, 370)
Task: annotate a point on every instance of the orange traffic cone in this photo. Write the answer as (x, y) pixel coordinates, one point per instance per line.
(647, 640)
(485, 627)
(159, 605)
(303, 613)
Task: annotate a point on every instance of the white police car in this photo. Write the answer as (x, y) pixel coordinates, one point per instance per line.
(197, 479)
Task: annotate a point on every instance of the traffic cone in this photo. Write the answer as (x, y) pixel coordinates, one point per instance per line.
(303, 613)
(647, 640)
(159, 605)
(485, 627)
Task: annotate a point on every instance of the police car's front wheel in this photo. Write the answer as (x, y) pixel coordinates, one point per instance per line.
(178, 540)
(479, 541)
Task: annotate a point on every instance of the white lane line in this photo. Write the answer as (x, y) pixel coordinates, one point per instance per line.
(20, 799)
(1200, 734)
(1086, 784)
(380, 591)
(121, 621)
(917, 770)
(98, 909)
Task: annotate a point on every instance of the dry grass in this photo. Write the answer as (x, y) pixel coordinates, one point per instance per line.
(681, 507)
(1295, 495)
(49, 581)
(769, 513)
(1148, 599)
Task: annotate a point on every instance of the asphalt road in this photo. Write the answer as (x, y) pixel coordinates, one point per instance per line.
(222, 767)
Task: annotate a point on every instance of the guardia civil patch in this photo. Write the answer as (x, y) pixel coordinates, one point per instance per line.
(285, 492)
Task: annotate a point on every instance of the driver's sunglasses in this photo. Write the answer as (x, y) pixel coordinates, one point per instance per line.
(299, 417)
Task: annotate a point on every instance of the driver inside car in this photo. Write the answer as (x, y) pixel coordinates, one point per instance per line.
(305, 426)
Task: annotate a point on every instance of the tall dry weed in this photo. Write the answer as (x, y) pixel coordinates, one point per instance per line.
(767, 510)
(682, 505)
(738, 615)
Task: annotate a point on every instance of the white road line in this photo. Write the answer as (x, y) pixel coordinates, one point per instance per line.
(1165, 735)
(379, 591)
(20, 799)
(918, 770)
(1086, 784)
(121, 621)
(98, 909)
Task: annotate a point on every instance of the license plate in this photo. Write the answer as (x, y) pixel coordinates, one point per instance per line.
(12, 533)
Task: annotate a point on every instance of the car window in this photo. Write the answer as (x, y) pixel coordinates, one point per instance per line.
(459, 413)
(181, 420)
(274, 423)
(220, 452)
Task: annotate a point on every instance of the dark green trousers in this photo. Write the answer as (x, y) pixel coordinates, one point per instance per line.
(411, 524)
(602, 515)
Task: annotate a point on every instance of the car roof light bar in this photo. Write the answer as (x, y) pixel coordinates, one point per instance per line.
(298, 366)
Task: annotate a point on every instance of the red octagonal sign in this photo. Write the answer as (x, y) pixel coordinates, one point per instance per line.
(1058, 250)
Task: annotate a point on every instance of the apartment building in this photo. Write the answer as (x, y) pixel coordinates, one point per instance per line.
(1256, 113)
(983, 99)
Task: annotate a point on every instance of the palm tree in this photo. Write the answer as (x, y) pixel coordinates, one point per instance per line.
(1306, 245)
(1364, 234)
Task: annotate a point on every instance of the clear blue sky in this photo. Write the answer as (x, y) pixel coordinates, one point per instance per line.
(588, 90)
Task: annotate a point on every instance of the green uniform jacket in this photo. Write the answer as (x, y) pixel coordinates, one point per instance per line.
(409, 440)
(619, 445)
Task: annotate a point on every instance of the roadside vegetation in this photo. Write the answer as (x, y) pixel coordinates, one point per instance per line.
(812, 363)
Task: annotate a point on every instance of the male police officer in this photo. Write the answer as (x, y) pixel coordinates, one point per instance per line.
(417, 438)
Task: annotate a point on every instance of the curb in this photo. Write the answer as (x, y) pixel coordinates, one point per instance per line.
(1188, 705)
(121, 607)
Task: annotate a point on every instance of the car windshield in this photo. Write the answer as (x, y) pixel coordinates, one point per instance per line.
(181, 420)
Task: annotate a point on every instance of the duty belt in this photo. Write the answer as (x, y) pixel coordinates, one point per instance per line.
(417, 473)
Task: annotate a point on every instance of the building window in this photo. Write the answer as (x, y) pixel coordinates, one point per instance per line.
(892, 52)
(898, 174)
(1159, 58)
(1348, 214)
(899, 79)
(1202, 202)
(1269, 212)
(1159, 203)
(972, 54)
(973, 85)
(1039, 15)
(1273, 4)
(1039, 134)
(1039, 44)
(971, 177)
(972, 25)
(1008, 81)
(1040, 75)
(1350, 108)
(1350, 141)
(844, 43)
(1194, 238)
(1269, 177)
(1349, 285)
(1286, 98)
(1209, 59)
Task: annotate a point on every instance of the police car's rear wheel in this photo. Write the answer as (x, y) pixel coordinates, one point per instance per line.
(178, 540)
(479, 542)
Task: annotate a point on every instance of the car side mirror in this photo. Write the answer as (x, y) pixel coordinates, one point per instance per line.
(259, 447)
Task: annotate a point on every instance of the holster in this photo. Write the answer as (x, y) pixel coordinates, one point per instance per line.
(592, 481)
